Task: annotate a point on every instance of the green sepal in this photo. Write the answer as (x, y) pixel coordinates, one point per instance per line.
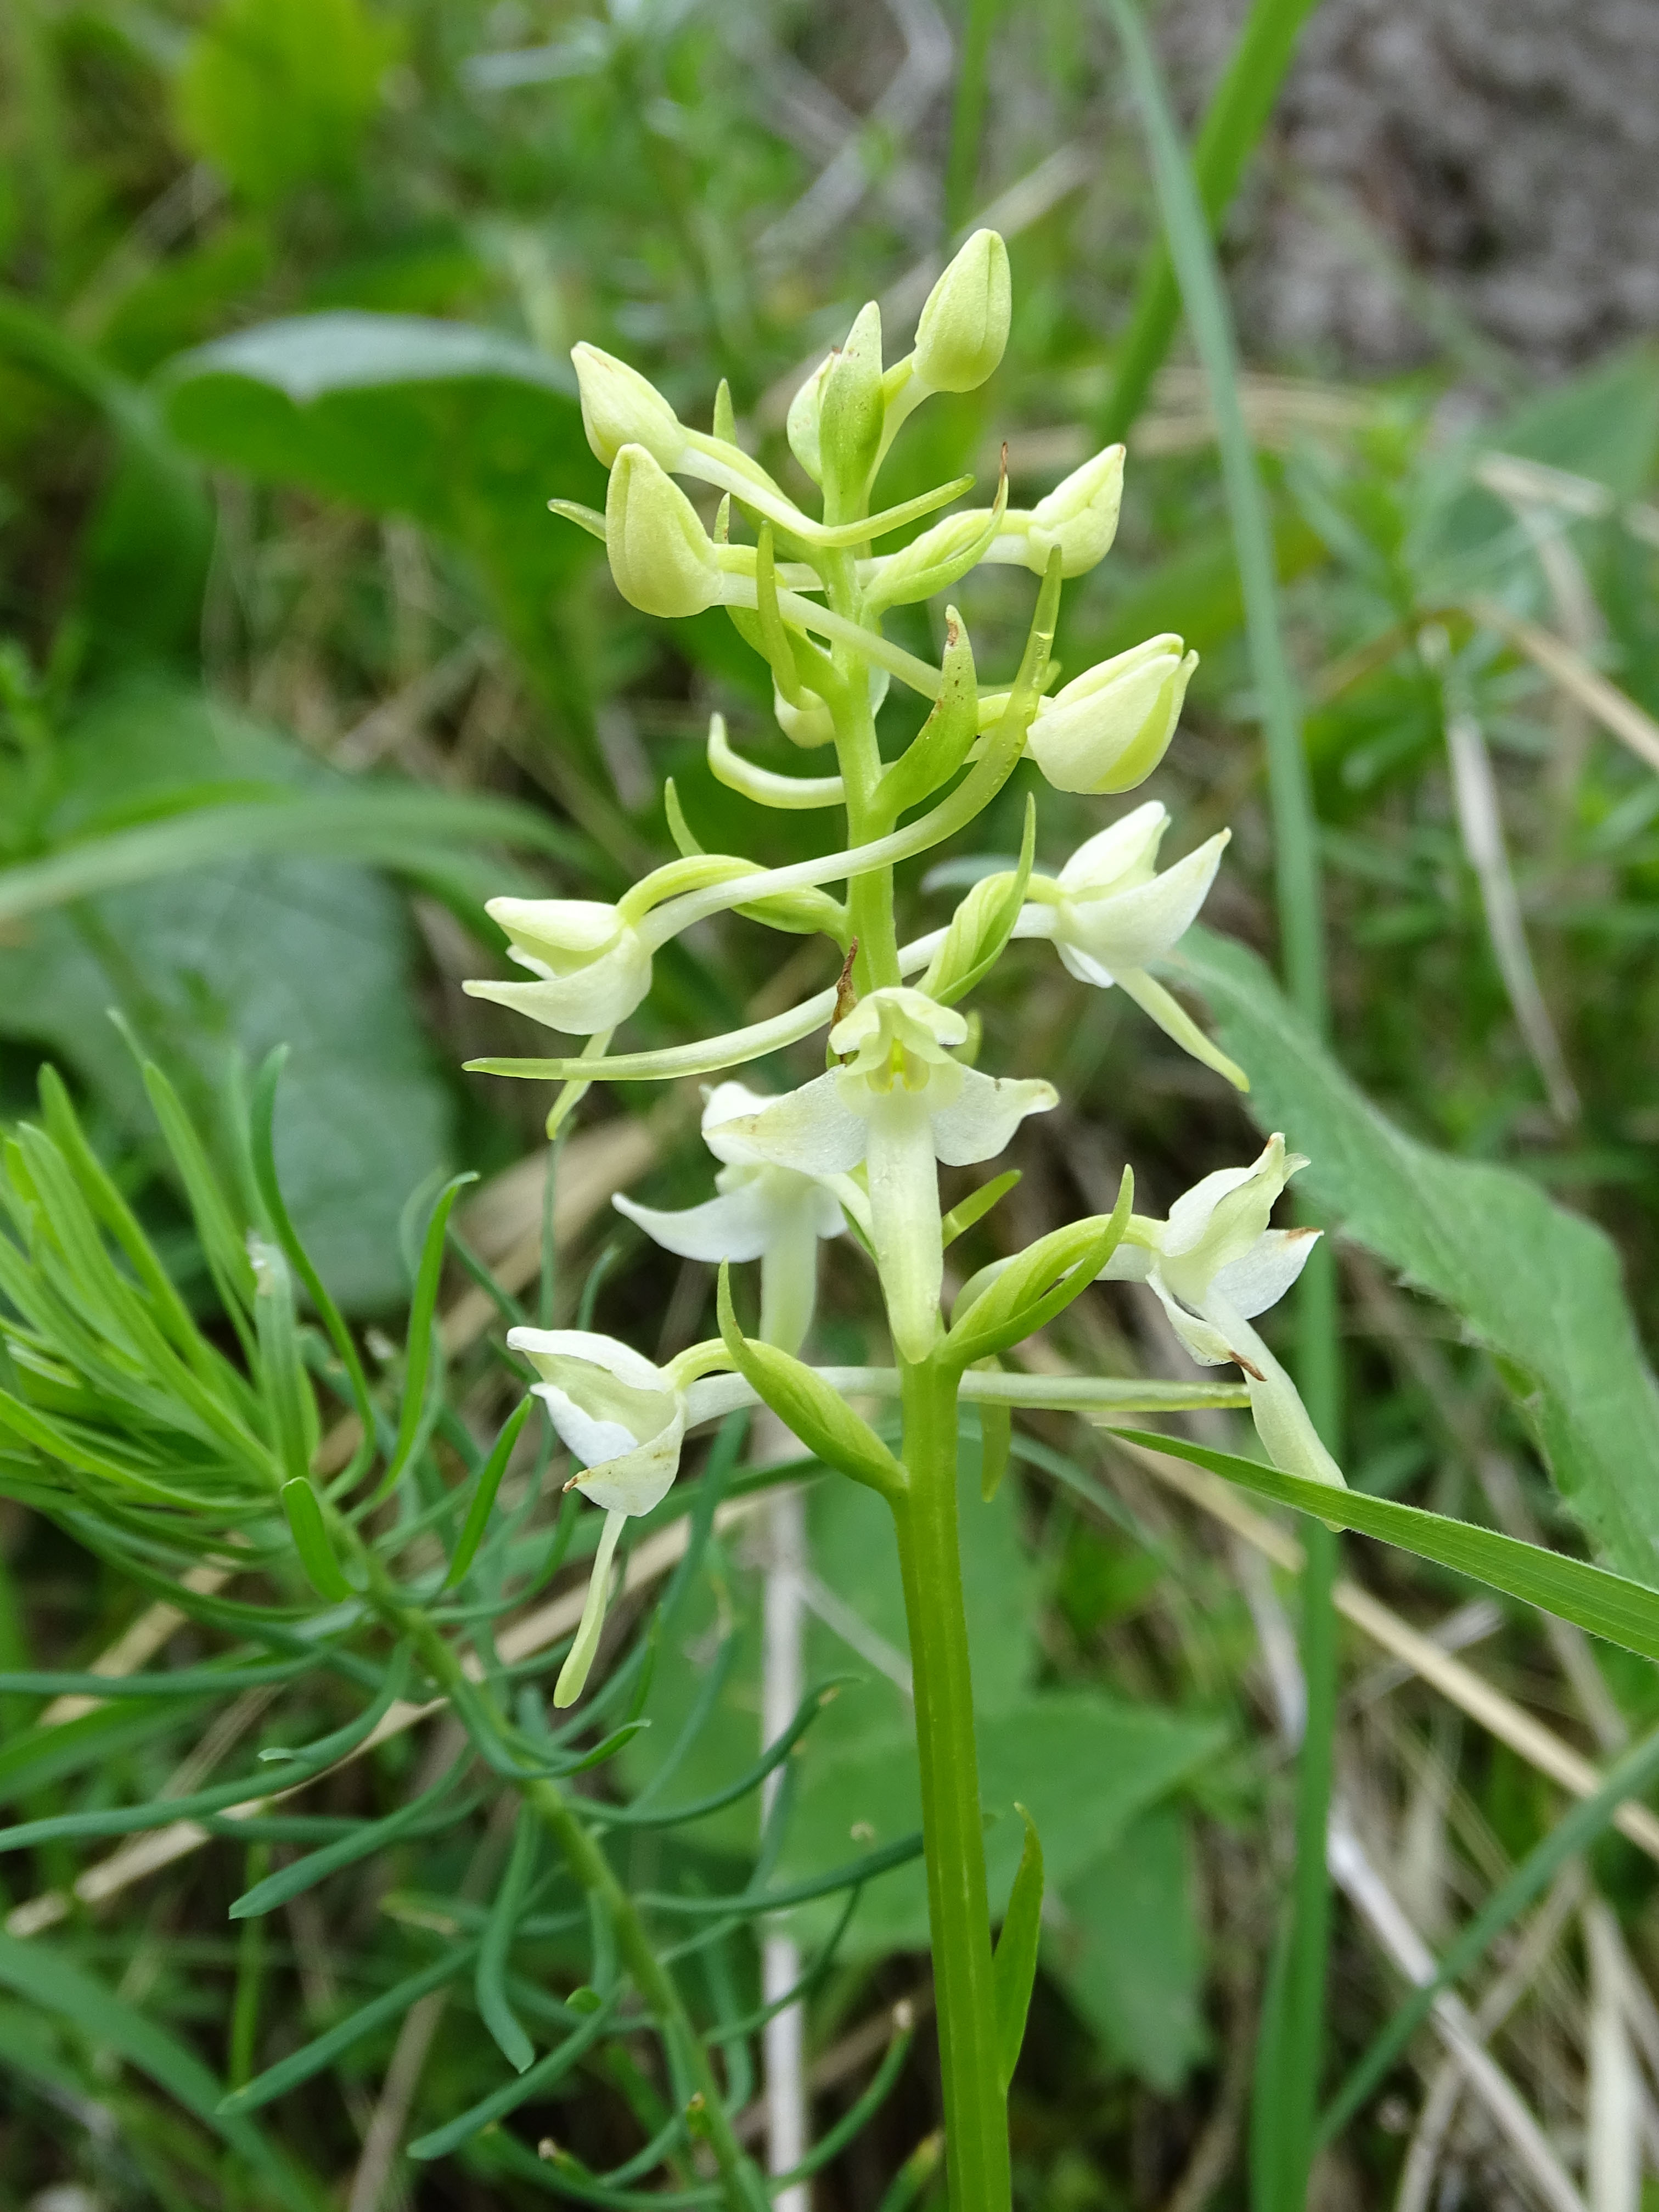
(823, 1421)
(311, 1539)
(1026, 1292)
(805, 913)
(1013, 1964)
(977, 1204)
(793, 658)
(942, 743)
(982, 925)
(585, 517)
(851, 412)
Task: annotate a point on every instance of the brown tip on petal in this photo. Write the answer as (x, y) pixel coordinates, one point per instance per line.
(1239, 1360)
(576, 1478)
(952, 630)
(846, 997)
(1300, 1236)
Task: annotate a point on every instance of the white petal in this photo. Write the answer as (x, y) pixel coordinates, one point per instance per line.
(735, 1226)
(725, 1101)
(1129, 1263)
(789, 1264)
(1203, 1341)
(985, 1114)
(810, 1130)
(595, 997)
(639, 1479)
(549, 1345)
(1080, 964)
(1267, 1271)
(1113, 852)
(593, 1440)
(1218, 1220)
(556, 930)
(1132, 928)
(904, 1215)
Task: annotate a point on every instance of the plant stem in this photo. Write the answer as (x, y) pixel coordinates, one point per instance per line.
(976, 2113)
(869, 897)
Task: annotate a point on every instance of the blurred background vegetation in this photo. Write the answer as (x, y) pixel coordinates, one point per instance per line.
(295, 671)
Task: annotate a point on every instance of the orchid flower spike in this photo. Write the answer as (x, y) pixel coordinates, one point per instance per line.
(1108, 914)
(1214, 1265)
(773, 1214)
(899, 1103)
(624, 1420)
(593, 968)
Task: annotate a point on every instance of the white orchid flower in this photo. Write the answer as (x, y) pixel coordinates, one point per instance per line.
(1214, 1265)
(592, 966)
(899, 1104)
(1110, 912)
(1109, 727)
(773, 1214)
(624, 1419)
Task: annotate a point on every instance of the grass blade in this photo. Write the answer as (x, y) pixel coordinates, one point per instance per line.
(1233, 122)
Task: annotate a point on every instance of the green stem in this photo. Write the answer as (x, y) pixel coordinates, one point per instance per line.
(976, 2116)
(869, 897)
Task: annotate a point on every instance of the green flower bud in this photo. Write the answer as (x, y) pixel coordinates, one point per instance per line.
(964, 325)
(851, 411)
(620, 408)
(802, 427)
(1079, 516)
(1109, 727)
(661, 557)
(809, 724)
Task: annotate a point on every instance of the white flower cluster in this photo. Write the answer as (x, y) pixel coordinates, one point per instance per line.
(860, 1146)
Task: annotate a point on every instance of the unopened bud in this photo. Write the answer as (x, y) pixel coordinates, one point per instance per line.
(964, 325)
(620, 408)
(661, 557)
(852, 411)
(1079, 516)
(807, 724)
(802, 426)
(1109, 727)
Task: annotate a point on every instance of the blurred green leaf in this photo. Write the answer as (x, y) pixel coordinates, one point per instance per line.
(44, 1975)
(468, 430)
(236, 957)
(1126, 1951)
(279, 93)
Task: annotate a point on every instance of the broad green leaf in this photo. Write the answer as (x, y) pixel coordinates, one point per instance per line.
(467, 430)
(1084, 1763)
(47, 1978)
(1125, 1949)
(1536, 1286)
(279, 93)
(1013, 1964)
(238, 955)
